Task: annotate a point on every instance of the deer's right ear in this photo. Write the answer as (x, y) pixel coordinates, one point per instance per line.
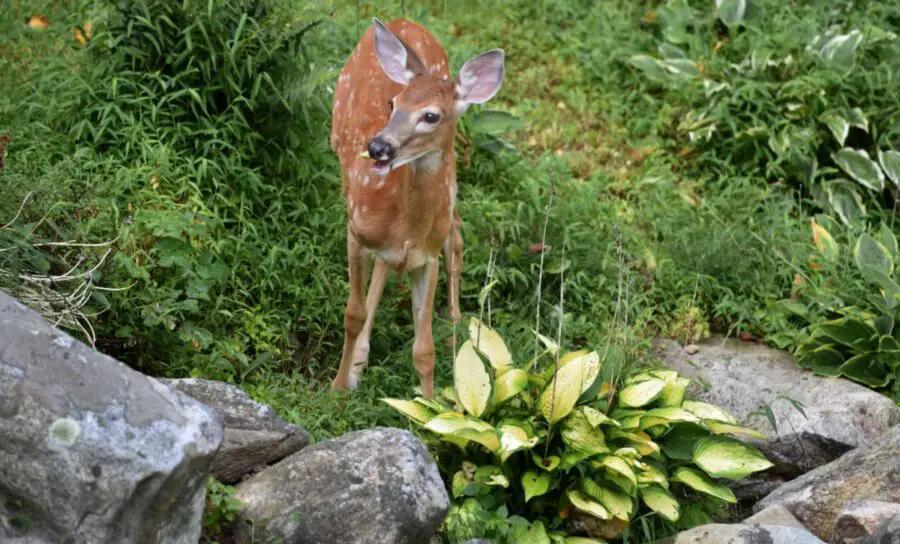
(399, 62)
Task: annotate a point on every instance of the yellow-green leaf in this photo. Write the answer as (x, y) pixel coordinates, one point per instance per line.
(535, 484)
(698, 481)
(561, 394)
(582, 540)
(825, 242)
(660, 501)
(473, 385)
(673, 414)
(509, 384)
(578, 434)
(513, 439)
(617, 503)
(596, 417)
(649, 473)
(618, 465)
(590, 362)
(719, 427)
(410, 409)
(585, 504)
(641, 393)
(722, 457)
(549, 463)
(673, 392)
(489, 342)
(708, 411)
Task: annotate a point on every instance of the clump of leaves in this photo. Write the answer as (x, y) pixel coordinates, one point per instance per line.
(525, 449)
(221, 509)
(689, 324)
(864, 343)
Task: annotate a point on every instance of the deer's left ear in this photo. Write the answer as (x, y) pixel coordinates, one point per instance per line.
(398, 61)
(479, 79)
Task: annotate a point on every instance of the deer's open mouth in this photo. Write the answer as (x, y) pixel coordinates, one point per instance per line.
(382, 167)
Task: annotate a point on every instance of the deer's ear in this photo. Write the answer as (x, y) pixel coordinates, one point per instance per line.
(399, 62)
(479, 79)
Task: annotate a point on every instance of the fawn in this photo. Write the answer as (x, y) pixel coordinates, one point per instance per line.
(393, 129)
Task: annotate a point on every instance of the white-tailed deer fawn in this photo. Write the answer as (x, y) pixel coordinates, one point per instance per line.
(393, 128)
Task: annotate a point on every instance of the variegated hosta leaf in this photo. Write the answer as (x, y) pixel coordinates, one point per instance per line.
(727, 428)
(489, 342)
(890, 163)
(513, 439)
(708, 411)
(660, 501)
(549, 463)
(509, 384)
(596, 417)
(572, 457)
(722, 457)
(549, 345)
(640, 441)
(459, 426)
(410, 409)
(673, 392)
(641, 393)
(591, 364)
(561, 394)
(579, 434)
(473, 385)
(673, 414)
(838, 126)
(649, 472)
(698, 481)
(617, 503)
(617, 465)
(535, 484)
(587, 505)
(860, 167)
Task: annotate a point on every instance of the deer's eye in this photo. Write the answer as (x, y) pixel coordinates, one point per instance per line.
(431, 118)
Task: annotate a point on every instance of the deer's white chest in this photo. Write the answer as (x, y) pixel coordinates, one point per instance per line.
(406, 259)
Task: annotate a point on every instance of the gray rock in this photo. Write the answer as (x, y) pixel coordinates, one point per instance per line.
(368, 487)
(863, 518)
(870, 472)
(254, 434)
(888, 533)
(744, 377)
(90, 450)
(756, 486)
(739, 533)
(774, 515)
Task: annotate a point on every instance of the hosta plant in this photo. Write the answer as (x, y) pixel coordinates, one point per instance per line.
(864, 343)
(526, 450)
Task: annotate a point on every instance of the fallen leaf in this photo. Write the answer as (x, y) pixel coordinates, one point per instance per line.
(538, 247)
(38, 21)
(3, 141)
(747, 337)
(83, 34)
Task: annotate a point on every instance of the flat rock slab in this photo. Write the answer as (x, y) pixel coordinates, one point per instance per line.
(738, 533)
(774, 515)
(255, 436)
(368, 487)
(868, 473)
(743, 378)
(91, 450)
(858, 520)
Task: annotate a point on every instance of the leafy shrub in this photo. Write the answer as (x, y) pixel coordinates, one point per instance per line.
(524, 449)
(221, 509)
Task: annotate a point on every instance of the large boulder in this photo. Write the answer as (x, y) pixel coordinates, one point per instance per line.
(368, 487)
(739, 533)
(868, 473)
(888, 533)
(744, 378)
(90, 450)
(255, 436)
(858, 520)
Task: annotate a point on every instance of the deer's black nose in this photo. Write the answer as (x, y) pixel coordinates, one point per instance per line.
(381, 150)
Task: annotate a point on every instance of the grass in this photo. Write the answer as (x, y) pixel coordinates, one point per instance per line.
(224, 205)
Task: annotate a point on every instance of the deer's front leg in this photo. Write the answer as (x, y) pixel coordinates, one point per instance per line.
(361, 351)
(355, 314)
(453, 257)
(424, 283)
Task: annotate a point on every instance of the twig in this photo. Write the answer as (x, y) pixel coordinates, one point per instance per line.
(537, 318)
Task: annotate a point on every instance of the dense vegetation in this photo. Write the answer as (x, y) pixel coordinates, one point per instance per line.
(673, 168)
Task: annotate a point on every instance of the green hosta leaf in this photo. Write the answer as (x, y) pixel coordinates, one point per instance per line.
(648, 472)
(641, 393)
(513, 439)
(509, 384)
(578, 434)
(456, 425)
(670, 51)
(561, 394)
(410, 409)
(838, 126)
(617, 503)
(849, 332)
(494, 122)
(870, 253)
(886, 238)
(587, 505)
(536, 534)
(488, 342)
(491, 475)
(638, 440)
(596, 417)
(549, 463)
(824, 360)
(867, 369)
(572, 457)
(838, 50)
(679, 442)
(732, 12)
(617, 465)
(673, 392)
(660, 501)
(535, 484)
(582, 540)
(860, 167)
(718, 427)
(680, 67)
(845, 201)
(857, 118)
(825, 242)
(708, 411)
(890, 163)
(884, 324)
(431, 404)
(722, 457)
(888, 344)
(473, 385)
(672, 414)
(590, 361)
(651, 67)
(698, 481)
